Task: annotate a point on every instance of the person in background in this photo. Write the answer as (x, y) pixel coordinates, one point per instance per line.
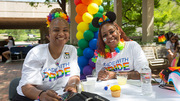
(10, 44)
(171, 46)
(50, 67)
(115, 52)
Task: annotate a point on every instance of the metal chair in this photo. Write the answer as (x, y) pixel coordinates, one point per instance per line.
(16, 52)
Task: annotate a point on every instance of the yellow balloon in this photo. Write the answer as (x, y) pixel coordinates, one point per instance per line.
(87, 18)
(98, 2)
(79, 35)
(93, 8)
(82, 26)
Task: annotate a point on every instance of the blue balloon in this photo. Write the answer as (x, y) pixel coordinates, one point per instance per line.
(87, 70)
(88, 53)
(93, 43)
(96, 34)
(82, 61)
(81, 70)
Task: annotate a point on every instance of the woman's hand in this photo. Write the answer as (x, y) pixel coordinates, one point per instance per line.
(106, 75)
(71, 88)
(103, 75)
(49, 95)
(72, 84)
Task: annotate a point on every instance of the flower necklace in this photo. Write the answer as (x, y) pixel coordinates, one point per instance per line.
(109, 54)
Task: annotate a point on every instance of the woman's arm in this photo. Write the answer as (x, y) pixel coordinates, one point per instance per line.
(72, 84)
(106, 75)
(170, 52)
(32, 92)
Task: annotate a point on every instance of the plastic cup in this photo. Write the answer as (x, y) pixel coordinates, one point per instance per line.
(87, 86)
(122, 78)
(91, 78)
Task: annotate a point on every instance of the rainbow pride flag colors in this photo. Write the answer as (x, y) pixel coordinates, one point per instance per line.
(175, 78)
(162, 39)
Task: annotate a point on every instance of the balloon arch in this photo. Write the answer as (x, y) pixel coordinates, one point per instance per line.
(87, 34)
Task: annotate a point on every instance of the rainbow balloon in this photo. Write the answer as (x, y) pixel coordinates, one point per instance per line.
(162, 39)
(175, 78)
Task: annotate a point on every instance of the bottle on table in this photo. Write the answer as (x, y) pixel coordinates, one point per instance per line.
(146, 81)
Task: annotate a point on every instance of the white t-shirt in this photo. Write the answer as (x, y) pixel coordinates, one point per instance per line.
(130, 58)
(41, 69)
(10, 44)
(170, 45)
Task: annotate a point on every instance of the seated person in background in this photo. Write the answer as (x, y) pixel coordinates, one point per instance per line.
(115, 52)
(10, 44)
(50, 67)
(176, 61)
(171, 47)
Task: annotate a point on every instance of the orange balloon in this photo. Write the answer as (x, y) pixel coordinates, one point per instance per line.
(87, 2)
(78, 18)
(81, 9)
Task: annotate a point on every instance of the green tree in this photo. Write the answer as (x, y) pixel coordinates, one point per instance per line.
(62, 4)
(167, 17)
(131, 14)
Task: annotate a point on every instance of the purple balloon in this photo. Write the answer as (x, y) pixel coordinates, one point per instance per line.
(87, 70)
(92, 64)
(82, 76)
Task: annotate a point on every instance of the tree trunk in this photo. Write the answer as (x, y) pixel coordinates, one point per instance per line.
(62, 4)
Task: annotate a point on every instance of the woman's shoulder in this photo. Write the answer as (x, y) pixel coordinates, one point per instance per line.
(71, 47)
(131, 43)
(39, 48)
(168, 42)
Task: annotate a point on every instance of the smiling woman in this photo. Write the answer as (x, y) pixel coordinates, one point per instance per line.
(115, 52)
(50, 67)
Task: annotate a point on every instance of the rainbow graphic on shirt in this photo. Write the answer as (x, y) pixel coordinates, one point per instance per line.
(53, 74)
(175, 78)
(121, 64)
(162, 39)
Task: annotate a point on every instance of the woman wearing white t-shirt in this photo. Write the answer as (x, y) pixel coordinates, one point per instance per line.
(116, 53)
(171, 47)
(10, 44)
(50, 67)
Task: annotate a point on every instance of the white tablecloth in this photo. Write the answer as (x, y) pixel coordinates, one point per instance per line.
(132, 92)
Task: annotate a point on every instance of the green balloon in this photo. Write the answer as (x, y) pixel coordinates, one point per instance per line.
(79, 52)
(83, 44)
(92, 28)
(101, 9)
(88, 35)
(98, 14)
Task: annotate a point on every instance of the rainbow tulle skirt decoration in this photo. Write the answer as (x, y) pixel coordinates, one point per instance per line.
(175, 78)
(162, 39)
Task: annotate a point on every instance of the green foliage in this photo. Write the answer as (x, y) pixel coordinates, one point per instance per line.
(167, 17)
(22, 35)
(132, 14)
(108, 5)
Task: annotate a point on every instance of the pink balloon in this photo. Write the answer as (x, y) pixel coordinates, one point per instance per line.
(76, 2)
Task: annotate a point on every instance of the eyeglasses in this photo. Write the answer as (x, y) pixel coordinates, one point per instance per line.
(173, 39)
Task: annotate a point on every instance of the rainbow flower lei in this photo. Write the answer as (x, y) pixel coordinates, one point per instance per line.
(118, 49)
(52, 16)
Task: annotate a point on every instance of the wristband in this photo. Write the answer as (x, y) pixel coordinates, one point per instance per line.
(40, 94)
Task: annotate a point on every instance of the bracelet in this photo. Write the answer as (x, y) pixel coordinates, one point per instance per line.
(40, 94)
